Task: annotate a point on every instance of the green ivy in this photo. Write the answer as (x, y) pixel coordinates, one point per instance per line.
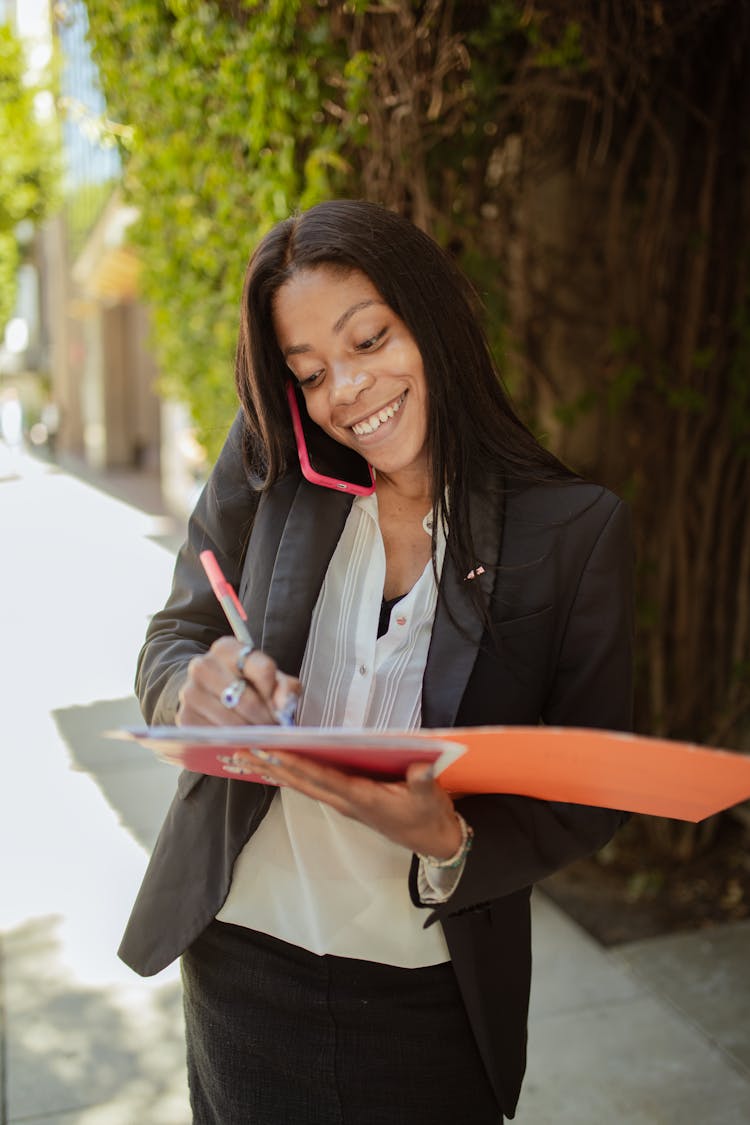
(9, 262)
(232, 129)
(562, 52)
(237, 112)
(29, 168)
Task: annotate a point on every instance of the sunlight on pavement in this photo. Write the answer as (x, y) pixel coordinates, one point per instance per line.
(82, 572)
(80, 580)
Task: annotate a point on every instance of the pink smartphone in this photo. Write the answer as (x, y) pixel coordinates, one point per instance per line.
(325, 461)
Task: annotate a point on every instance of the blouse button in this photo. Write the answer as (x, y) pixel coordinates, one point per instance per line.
(363, 669)
(400, 620)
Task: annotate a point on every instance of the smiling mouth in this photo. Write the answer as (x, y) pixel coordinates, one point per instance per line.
(375, 421)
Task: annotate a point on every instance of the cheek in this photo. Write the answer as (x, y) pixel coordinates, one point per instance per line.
(319, 413)
(412, 361)
(315, 404)
(405, 357)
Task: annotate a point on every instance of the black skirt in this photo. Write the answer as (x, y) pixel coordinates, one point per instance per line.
(279, 1036)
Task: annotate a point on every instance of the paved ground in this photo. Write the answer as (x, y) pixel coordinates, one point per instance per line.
(656, 1033)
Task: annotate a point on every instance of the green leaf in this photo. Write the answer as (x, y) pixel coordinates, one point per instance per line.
(30, 165)
(224, 101)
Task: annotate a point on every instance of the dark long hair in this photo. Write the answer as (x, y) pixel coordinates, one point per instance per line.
(475, 437)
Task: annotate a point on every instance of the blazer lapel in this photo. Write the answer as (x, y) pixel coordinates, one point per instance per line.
(457, 632)
(312, 529)
(295, 534)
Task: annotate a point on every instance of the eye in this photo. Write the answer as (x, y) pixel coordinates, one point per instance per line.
(310, 380)
(368, 345)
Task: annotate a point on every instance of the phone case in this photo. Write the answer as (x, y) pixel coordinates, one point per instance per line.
(308, 470)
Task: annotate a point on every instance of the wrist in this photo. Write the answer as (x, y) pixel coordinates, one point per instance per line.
(460, 854)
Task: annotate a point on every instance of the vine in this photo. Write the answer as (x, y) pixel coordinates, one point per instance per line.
(235, 112)
(230, 133)
(29, 170)
(587, 164)
(651, 137)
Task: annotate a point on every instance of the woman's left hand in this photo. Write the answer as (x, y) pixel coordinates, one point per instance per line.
(415, 813)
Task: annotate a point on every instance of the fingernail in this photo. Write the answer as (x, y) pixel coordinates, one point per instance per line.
(265, 756)
(287, 714)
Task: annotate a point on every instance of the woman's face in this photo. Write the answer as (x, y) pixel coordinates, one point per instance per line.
(358, 365)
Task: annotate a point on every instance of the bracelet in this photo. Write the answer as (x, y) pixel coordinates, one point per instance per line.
(458, 857)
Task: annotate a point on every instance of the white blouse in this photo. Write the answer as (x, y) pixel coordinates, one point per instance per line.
(309, 875)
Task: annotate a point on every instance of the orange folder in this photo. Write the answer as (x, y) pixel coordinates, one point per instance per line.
(597, 767)
(583, 766)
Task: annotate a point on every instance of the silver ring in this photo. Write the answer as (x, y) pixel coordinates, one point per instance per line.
(231, 695)
(242, 657)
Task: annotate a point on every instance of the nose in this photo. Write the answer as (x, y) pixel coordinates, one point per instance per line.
(347, 383)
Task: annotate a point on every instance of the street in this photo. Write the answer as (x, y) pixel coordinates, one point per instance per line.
(87, 1040)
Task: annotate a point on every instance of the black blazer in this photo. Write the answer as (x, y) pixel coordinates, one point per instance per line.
(558, 567)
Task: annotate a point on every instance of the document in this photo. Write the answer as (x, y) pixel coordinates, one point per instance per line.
(605, 768)
(214, 750)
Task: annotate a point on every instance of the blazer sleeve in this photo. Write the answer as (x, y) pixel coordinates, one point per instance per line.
(192, 618)
(519, 840)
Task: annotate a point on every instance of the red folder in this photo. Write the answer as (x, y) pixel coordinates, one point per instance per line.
(222, 751)
(582, 766)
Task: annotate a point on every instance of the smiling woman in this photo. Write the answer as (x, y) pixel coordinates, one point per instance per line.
(360, 370)
(356, 951)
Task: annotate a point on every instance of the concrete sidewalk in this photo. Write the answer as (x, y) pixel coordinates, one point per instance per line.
(655, 1033)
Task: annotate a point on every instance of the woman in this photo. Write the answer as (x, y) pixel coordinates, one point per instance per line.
(355, 951)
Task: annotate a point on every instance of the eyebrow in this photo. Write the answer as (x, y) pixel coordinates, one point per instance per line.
(343, 320)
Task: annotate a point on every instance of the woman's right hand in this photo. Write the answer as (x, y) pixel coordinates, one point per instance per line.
(262, 689)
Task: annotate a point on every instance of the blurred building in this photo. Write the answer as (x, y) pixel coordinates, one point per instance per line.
(80, 327)
(101, 373)
(22, 350)
(80, 356)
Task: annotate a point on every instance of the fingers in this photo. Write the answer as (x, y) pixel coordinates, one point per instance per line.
(322, 783)
(258, 669)
(420, 776)
(256, 696)
(417, 813)
(286, 693)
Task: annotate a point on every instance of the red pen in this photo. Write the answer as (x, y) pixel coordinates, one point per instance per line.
(236, 616)
(227, 598)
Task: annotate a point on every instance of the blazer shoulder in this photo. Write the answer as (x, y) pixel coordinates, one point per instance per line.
(559, 503)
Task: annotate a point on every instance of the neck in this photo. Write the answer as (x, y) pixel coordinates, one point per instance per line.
(410, 487)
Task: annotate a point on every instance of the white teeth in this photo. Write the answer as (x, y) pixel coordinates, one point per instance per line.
(371, 424)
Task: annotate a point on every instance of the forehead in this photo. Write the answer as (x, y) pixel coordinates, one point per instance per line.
(319, 297)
